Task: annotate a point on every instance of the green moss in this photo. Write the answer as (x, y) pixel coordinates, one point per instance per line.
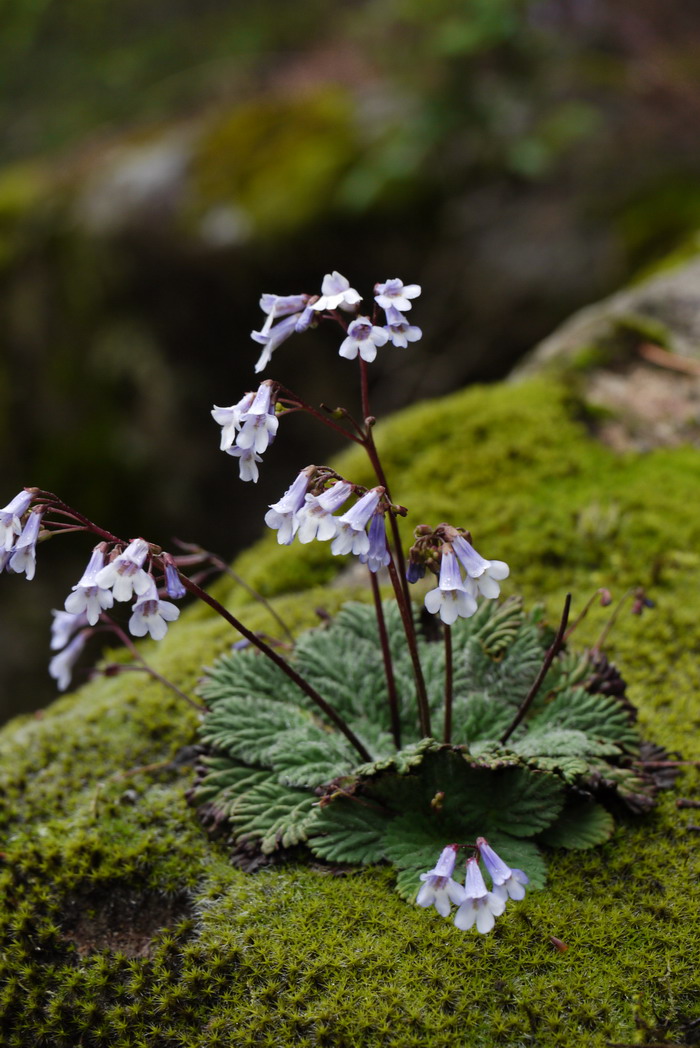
(297, 956)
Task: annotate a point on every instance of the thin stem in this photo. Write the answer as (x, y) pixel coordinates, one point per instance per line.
(302, 684)
(582, 614)
(448, 682)
(537, 684)
(388, 666)
(59, 506)
(128, 643)
(409, 630)
(598, 646)
(303, 406)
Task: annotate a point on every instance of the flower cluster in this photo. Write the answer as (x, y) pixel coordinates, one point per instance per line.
(455, 595)
(248, 428)
(476, 905)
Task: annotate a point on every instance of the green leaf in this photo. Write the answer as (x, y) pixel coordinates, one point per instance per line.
(311, 756)
(276, 815)
(521, 802)
(582, 824)
(415, 841)
(408, 882)
(248, 728)
(563, 742)
(348, 830)
(601, 717)
(225, 781)
(247, 673)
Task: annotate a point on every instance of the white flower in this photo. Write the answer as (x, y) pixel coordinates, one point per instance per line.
(87, 596)
(363, 338)
(23, 557)
(450, 597)
(336, 293)
(64, 626)
(259, 422)
(314, 520)
(124, 575)
(273, 337)
(438, 888)
(151, 615)
(395, 293)
(399, 330)
(485, 573)
(280, 306)
(480, 906)
(506, 882)
(61, 665)
(282, 515)
(351, 536)
(230, 419)
(247, 463)
(10, 519)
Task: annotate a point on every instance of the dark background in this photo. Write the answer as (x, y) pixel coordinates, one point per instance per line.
(164, 163)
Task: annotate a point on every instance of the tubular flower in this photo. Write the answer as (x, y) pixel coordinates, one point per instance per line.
(259, 422)
(151, 615)
(23, 557)
(480, 906)
(377, 556)
(486, 574)
(61, 665)
(247, 463)
(124, 575)
(282, 516)
(10, 519)
(173, 586)
(450, 598)
(363, 338)
(230, 419)
(351, 536)
(395, 293)
(64, 626)
(336, 293)
(438, 888)
(87, 596)
(315, 520)
(399, 330)
(506, 882)
(272, 337)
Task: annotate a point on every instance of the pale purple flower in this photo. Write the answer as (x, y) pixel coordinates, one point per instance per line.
(485, 573)
(124, 575)
(399, 330)
(282, 516)
(506, 882)
(450, 597)
(230, 419)
(395, 293)
(438, 888)
(151, 615)
(64, 626)
(23, 557)
(336, 293)
(173, 585)
(273, 337)
(480, 906)
(259, 422)
(87, 595)
(280, 306)
(377, 556)
(10, 519)
(315, 520)
(363, 338)
(351, 536)
(61, 665)
(247, 463)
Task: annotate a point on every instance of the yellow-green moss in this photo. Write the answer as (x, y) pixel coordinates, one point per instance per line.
(296, 956)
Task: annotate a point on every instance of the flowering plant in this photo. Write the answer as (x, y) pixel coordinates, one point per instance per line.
(387, 731)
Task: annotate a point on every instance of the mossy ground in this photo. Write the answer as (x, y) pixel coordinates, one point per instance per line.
(293, 955)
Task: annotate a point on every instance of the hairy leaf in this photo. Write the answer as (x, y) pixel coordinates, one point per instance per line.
(349, 830)
(582, 824)
(310, 756)
(275, 815)
(249, 728)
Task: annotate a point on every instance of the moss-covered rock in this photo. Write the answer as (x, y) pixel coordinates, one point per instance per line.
(123, 925)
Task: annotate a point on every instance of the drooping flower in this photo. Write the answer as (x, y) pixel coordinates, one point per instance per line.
(230, 419)
(282, 516)
(247, 463)
(315, 519)
(351, 536)
(399, 330)
(485, 573)
(87, 596)
(272, 337)
(450, 598)
(280, 306)
(438, 888)
(480, 906)
(10, 519)
(64, 626)
(377, 556)
(336, 293)
(125, 575)
(173, 585)
(61, 665)
(151, 615)
(506, 882)
(363, 338)
(260, 423)
(23, 557)
(395, 293)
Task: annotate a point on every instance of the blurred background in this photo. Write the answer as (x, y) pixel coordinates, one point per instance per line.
(163, 162)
